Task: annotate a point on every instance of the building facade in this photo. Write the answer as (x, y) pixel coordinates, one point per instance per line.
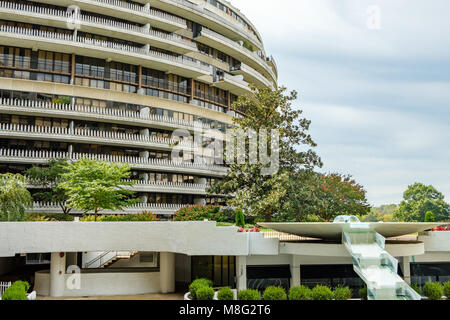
(113, 80)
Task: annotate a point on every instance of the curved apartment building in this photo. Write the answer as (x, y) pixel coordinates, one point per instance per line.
(113, 79)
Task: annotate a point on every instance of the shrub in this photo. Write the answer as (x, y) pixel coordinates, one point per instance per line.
(17, 291)
(227, 215)
(433, 290)
(249, 294)
(198, 213)
(300, 293)
(447, 289)
(239, 218)
(225, 294)
(197, 284)
(429, 216)
(274, 293)
(416, 288)
(145, 216)
(363, 293)
(205, 293)
(321, 293)
(342, 293)
(48, 217)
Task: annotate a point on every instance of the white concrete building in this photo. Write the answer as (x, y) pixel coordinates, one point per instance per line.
(161, 257)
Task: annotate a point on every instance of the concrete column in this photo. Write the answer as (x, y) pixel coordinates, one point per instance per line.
(295, 271)
(145, 112)
(241, 273)
(167, 272)
(57, 274)
(70, 149)
(144, 199)
(200, 201)
(199, 180)
(147, 6)
(71, 125)
(143, 176)
(144, 154)
(406, 269)
(145, 132)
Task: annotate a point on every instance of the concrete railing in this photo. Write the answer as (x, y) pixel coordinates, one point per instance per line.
(252, 72)
(109, 112)
(42, 156)
(163, 186)
(94, 134)
(156, 208)
(144, 51)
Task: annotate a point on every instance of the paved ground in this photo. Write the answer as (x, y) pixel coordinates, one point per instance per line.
(172, 296)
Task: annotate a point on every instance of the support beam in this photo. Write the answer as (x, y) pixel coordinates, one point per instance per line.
(167, 272)
(295, 271)
(241, 273)
(406, 269)
(57, 274)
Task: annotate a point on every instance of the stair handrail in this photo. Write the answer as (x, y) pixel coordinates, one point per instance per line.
(99, 257)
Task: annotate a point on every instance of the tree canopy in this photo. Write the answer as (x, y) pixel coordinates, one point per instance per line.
(14, 197)
(418, 199)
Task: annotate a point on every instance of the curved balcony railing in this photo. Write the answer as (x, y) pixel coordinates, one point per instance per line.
(156, 208)
(102, 136)
(172, 187)
(83, 18)
(237, 46)
(188, 62)
(252, 73)
(42, 156)
(89, 111)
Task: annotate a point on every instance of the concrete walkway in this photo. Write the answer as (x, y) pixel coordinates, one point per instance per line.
(151, 296)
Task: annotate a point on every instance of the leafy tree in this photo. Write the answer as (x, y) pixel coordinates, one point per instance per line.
(14, 197)
(93, 185)
(49, 178)
(429, 217)
(255, 193)
(321, 197)
(419, 199)
(382, 213)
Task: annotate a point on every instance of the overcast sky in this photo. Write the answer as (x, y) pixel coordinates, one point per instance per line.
(379, 99)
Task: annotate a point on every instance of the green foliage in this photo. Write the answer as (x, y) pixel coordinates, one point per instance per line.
(433, 290)
(49, 177)
(249, 295)
(17, 291)
(382, 213)
(93, 185)
(62, 100)
(14, 197)
(225, 294)
(429, 217)
(48, 217)
(300, 293)
(363, 293)
(228, 215)
(239, 218)
(197, 284)
(321, 293)
(248, 46)
(205, 293)
(416, 288)
(418, 199)
(145, 216)
(447, 289)
(199, 213)
(258, 194)
(274, 293)
(342, 293)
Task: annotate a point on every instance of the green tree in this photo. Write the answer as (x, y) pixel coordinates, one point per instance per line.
(14, 197)
(419, 199)
(321, 197)
(93, 185)
(49, 178)
(429, 217)
(255, 193)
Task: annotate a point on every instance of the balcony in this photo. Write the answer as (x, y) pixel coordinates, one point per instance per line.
(127, 11)
(168, 187)
(81, 135)
(81, 112)
(251, 75)
(106, 27)
(236, 50)
(235, 84)
(65, 43)
(203, 16)
(140, 163)
(156, 208)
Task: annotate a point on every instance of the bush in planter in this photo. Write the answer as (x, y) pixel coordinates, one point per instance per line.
(447, 289)
(433, 290)
(363, 293)
(300, 293)
(198, 213)
(342, 293)
(239, 218)
(225, 294)
(249, 294)
(205, 293)
(274, 293)
(197, 284)
(416, 288)
(321, 293)
(17, 291)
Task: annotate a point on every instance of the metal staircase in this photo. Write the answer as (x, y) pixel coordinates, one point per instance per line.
(108, 258)
(376, 267)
